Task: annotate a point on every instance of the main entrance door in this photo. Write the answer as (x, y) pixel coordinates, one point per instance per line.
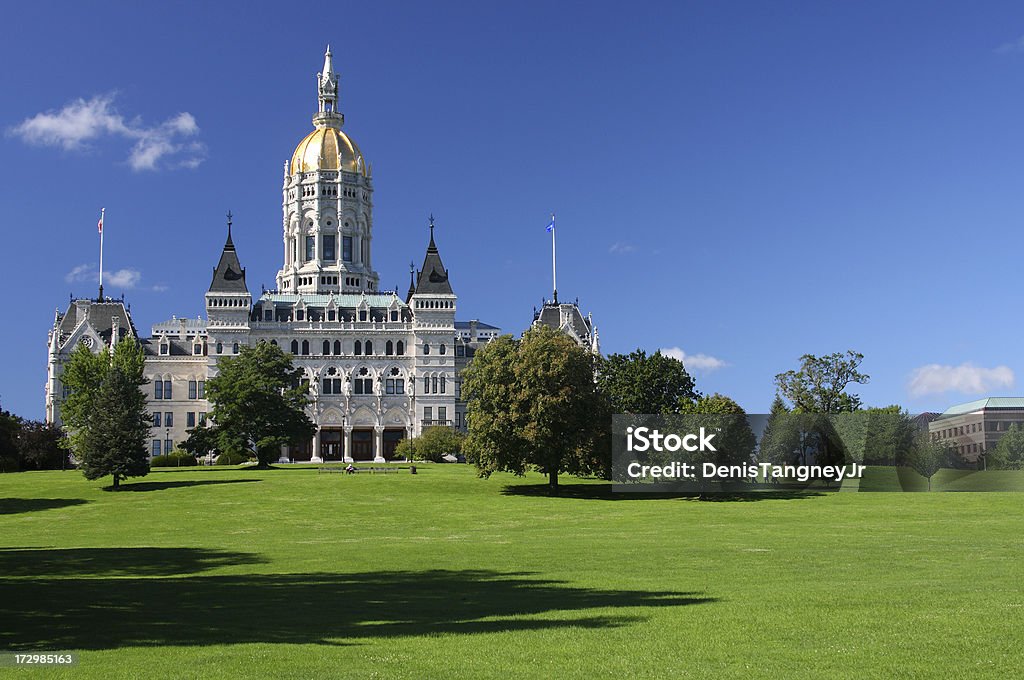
(362, 444)
(391, 439)
(331, 444)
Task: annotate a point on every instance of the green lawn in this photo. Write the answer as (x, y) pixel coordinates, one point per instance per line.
(290, 573)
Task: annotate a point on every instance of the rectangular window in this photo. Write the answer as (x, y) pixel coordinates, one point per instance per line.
(367, 385)
(346, 248)
(358, 386)
(329, 243)
(327, 386)
(400, 386)
(158, 389)
(167, 389)
(202, 418)
(428, 414)
(156, 447)
(190, 419)
(336, 385)
(202, 389)
(426, 385)
(168, 445)
(169, 419)
(442, 385)
(310, 247)
(389, 386)
(192, 389)
(442, 414)
(158, 418)
(458, 420)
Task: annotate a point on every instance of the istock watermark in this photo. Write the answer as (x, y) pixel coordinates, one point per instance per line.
(790, 452)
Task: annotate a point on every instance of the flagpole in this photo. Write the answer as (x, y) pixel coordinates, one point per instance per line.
(102, 212)
(554, 276)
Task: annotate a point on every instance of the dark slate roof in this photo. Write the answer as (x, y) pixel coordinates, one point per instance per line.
(433, 279)
(551, 315)
(465, 325)
(100, 316)
(229, 276)
(178, 348)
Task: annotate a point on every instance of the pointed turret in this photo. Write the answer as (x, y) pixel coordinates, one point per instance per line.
(327, 95)
(433, 279)
(229, 275)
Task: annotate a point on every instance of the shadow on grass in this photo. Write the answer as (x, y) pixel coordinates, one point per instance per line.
(160, 486)
(96, 562)
(605, 492)
(14, 506)
(88, 611)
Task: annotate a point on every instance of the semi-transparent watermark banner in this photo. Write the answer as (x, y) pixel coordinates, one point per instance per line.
(872, 450)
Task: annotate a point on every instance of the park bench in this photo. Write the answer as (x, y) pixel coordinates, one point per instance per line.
(358, 470)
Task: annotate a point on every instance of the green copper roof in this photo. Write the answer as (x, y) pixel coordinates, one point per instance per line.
(989, 402)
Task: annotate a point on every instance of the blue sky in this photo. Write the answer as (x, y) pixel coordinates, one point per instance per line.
(743, 182)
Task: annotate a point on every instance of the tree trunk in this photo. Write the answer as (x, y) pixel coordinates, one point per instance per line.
(117, 481)
(553, 481)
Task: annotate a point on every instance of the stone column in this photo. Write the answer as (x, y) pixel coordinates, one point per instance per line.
(316, 448)
(378, 444)
(285, 454)
(347, 453)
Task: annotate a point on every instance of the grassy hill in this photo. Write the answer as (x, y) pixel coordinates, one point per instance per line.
(287, 573)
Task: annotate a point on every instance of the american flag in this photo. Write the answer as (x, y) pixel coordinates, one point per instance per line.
(99, 225)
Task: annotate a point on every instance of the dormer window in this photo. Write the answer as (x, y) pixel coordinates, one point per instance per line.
(165, 349)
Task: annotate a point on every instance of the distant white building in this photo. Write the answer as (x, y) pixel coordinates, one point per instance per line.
(381, 367)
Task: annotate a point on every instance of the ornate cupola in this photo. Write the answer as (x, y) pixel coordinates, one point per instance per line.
(327, 204)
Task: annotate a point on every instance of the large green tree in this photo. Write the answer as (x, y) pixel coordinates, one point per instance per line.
(105, 413)
(10, 426)
(41, 446)
(113, 439)
(821, 384)
(434, 444)
(258, 403)
(533, 403)
(638, 383)
(1009, 452)
(734, 440)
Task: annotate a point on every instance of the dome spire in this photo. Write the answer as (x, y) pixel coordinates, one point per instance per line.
(327, 95)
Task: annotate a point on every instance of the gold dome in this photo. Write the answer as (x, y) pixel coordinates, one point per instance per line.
(327, 148)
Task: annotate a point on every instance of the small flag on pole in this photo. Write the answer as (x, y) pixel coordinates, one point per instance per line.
(99, 225)
(551, 224)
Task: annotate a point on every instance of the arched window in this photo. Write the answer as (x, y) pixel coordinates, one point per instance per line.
(305, 348)
(337, 346)
(389, 348)
(220, 348)
(435, 384)
(369, 347)
(442, 349)
(274, 343)
(400, 348)
(295, 347)
(234, 348)
(426, 348)
(426, 385)
(358, 348)
(442, 385)
(327, 347)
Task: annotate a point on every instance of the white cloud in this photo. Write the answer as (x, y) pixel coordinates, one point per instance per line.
(966, 378)
(618, 248)
(1011, 47)
(160, 288)
(122, 278)
(82, 272)
(83, 121)
(704, 363)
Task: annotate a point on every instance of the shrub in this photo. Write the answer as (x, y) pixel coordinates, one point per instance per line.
(232, 459)
(433, 444)
(173, 459)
